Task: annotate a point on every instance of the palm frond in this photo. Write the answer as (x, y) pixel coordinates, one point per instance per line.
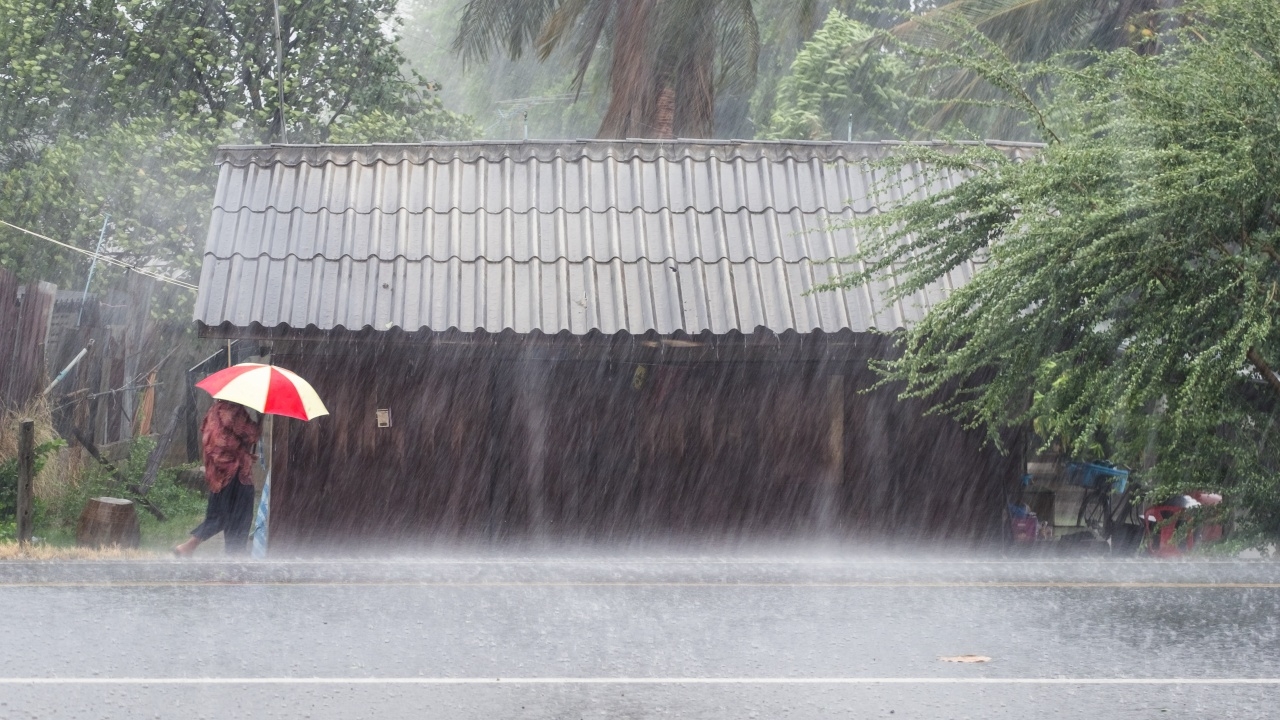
(560, 23)
(589, 38)
(737, 45)
(511, 25)
(1028, 30)
(1013, 32)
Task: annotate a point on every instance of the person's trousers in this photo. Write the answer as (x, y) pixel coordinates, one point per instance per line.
(230, 511)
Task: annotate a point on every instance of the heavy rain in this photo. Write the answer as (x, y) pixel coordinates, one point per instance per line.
(661, 358)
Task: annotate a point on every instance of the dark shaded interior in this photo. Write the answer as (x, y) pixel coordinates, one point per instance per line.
(621, 438)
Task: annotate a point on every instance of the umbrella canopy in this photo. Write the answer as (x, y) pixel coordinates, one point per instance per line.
(267, 389)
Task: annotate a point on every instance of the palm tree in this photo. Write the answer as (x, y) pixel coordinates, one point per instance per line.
(1025, 31)
(1032, 30)
(667, 58)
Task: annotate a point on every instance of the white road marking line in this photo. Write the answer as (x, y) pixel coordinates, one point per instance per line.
(889, 584)
(409, 561)
(628, 681)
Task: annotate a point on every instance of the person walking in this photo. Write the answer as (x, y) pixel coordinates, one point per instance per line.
(228, 437)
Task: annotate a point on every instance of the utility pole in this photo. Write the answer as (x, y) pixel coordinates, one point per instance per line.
(284, 136)
(92, 264)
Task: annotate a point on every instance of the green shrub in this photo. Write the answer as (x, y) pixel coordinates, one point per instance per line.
(56, 520)
(9, 486)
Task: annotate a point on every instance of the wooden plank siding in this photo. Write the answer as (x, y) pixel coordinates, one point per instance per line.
(25, 312)
(624, 445)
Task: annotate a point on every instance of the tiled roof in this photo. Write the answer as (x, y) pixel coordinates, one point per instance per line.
(566, 236)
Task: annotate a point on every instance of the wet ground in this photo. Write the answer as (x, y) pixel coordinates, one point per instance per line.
(636, 637)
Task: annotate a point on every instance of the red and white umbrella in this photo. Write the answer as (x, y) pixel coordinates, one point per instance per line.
(267, 389)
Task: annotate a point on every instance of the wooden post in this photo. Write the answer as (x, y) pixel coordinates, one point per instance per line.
(26, 478)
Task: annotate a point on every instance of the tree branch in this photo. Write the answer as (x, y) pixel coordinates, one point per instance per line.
(1272, 379)
(1270, 252)
(119, 477)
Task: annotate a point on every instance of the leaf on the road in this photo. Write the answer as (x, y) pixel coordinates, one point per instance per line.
(965, 658)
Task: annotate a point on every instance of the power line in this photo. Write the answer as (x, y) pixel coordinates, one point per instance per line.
(104, 258)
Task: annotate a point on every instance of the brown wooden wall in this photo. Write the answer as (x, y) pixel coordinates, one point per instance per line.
(512, 445)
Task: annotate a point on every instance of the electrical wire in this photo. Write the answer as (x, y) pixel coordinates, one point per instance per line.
(104, 258)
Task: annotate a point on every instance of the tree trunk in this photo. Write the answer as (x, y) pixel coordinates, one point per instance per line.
(661, 85)
(664, 124)
(632, 95)
(108, 522)
(695, 82)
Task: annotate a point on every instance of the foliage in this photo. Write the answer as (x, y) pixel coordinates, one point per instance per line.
(841, 77)
(1128, 278)
(685, 49)
(432, 122)
(115, 108)
(786, 25)
(1022, 31)
(70, 64)
(1037, 30)
(154, 177)
(500, 91)
(9, 485)
(60, 514)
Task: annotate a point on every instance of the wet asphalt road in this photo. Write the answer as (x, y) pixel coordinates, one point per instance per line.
(637, 637)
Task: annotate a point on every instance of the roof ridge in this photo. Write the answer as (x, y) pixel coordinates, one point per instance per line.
(226, 326)
(326, 210)
(498, 260)
(596, 150)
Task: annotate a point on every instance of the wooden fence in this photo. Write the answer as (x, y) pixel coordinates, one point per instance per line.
(133, 375)
(25, 312)
(135, 372)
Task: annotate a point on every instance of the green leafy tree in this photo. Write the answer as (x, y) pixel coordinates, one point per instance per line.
(841, 83)
(70, 64)
(115, 108)
(785, 26)
(1128, 277)
(153, 176)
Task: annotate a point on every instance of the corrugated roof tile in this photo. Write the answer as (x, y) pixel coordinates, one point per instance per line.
(575, 236)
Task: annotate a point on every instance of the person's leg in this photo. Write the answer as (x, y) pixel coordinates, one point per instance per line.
(235, 531)
(215, 519)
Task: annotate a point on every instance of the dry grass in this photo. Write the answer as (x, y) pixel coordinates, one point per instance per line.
(12, 551)
(58, 473)
(37, 410)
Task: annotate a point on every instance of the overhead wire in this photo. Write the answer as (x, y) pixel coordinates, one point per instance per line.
(104, 258)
